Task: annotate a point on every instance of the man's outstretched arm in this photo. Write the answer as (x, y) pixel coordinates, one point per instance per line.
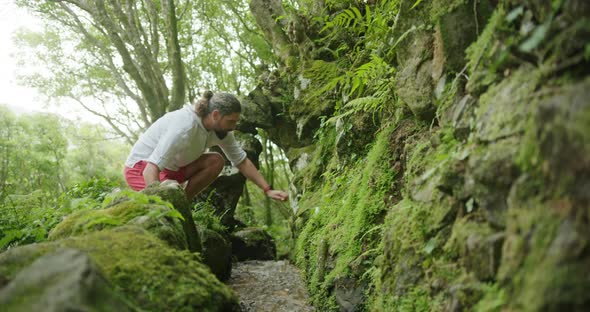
(248, 169)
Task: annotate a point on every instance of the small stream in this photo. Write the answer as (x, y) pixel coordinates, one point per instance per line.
(269, 286)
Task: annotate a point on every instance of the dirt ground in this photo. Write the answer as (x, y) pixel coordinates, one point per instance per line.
(269, 286)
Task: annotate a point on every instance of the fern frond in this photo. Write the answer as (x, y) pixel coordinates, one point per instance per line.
(347, 18)
(369, 104)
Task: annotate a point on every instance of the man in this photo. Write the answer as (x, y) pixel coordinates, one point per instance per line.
(173, 148)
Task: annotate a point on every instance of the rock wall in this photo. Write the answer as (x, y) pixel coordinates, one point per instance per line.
(467, 185)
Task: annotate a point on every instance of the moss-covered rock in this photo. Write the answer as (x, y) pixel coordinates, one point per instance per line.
(504, 108)
(458, 24)
(156, 218)
(546, 269)
(64, 280)
(141, 267)
(559, 141)
(177, 197)
(343, 223)
(414, 84)
(477, 246)
(490, 172)
(482, 186)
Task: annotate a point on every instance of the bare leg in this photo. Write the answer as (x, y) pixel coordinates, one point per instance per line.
(201, 172)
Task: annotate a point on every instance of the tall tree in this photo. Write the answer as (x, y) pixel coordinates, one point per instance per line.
(130, 62)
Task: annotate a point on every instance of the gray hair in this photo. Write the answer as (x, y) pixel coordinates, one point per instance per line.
(225, 103)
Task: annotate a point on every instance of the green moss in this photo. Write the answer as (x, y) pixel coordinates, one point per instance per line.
(23, 302)
(159, 219)
(442, 7)
(154, 276)
(321, 155)
(538, 267)
(482, 71)
(493, 301)
(345, 219)
(505, 107)
(430, 156)
(417, 299)
(462, 229)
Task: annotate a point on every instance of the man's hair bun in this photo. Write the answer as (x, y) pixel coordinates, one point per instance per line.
(208, 94)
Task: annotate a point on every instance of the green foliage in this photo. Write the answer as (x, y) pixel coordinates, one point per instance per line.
(345, 214)
(362, 77)
(493, 301)
(138, 72)
(94, 188)
(27, 218)
(526, 33)
(348, 18)
(369, 104)
(205, 215)
(42, 177)
(417, 299)
(329, 77)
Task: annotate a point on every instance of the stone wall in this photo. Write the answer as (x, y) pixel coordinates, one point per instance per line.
(469, 188)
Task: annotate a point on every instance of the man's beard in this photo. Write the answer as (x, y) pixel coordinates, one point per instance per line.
(221, 134)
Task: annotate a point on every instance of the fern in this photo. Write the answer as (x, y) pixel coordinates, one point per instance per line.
(373, 70)
(327, 75)
(348, 18)
(369, 104)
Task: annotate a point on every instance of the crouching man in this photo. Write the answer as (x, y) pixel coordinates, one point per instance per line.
(173, 148)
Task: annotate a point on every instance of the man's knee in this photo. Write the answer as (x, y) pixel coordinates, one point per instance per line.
(215, 162)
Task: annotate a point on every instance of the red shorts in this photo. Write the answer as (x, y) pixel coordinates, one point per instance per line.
(134, 176)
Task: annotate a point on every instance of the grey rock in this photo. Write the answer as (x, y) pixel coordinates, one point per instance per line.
(65, 280)
(216, 253)
(253, 244)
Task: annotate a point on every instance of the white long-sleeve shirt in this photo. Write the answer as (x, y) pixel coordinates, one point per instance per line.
(179, 138)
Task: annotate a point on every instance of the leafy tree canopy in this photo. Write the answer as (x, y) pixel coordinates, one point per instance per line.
(130, 62)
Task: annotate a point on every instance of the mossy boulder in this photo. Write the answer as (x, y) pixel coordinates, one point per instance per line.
(458, 24)
(477, 246)
(253, 244)
(491, 171)
(545, 265)
(559, 141)
(158, 219)
(504, 108)
(177, 197)
(141, 267)
(63, 280)
(414, 83)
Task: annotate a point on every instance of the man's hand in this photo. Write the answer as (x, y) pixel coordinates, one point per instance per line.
(277, 195)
